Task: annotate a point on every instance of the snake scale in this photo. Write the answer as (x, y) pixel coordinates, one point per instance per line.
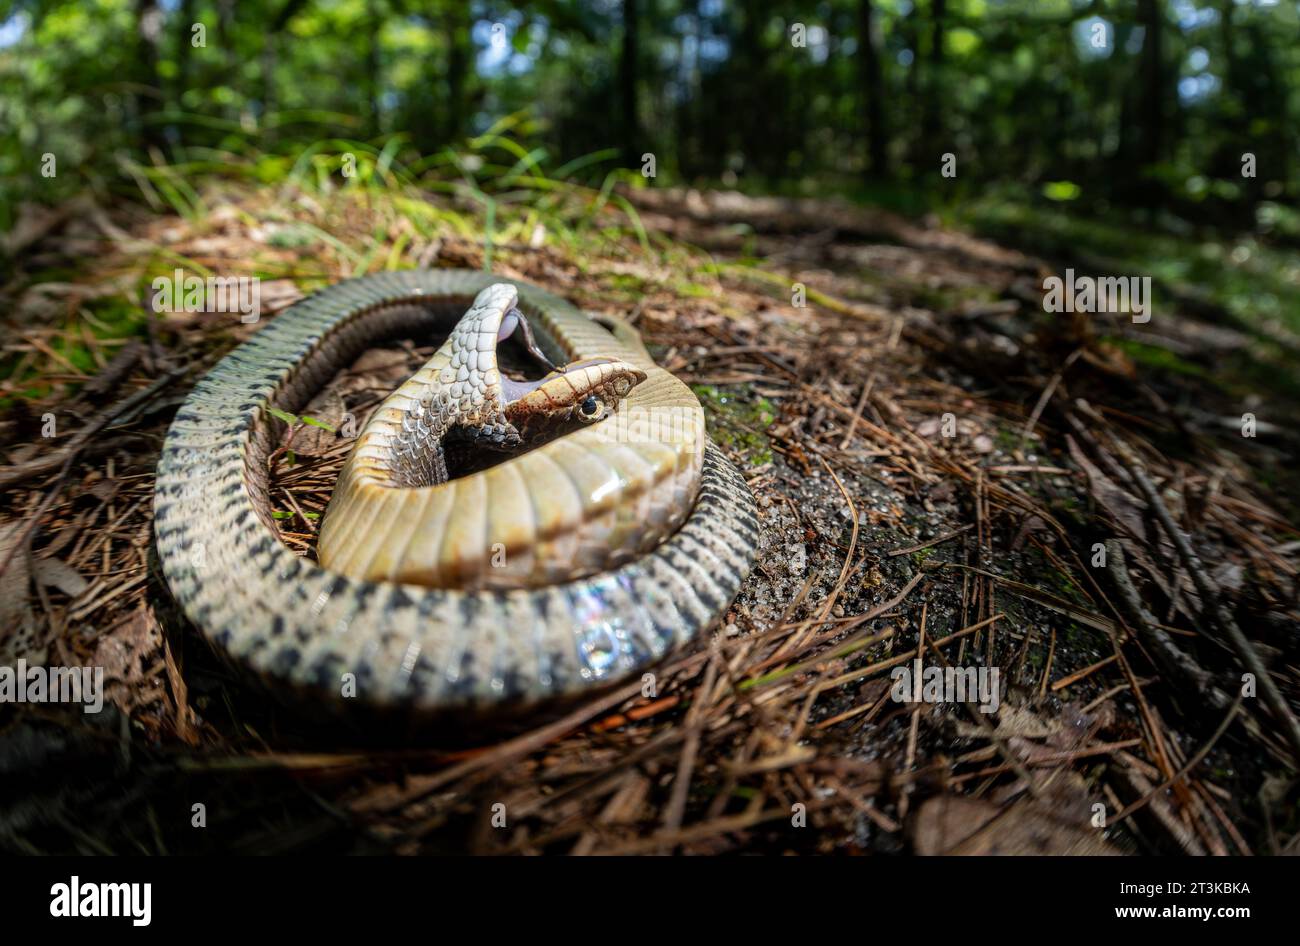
(643, 549)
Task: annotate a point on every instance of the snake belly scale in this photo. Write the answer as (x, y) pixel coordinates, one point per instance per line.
(456, 643)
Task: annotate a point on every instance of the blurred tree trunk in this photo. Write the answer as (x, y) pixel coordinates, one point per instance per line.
(374, 75)
(266, 64)
(910, 31)
(687, 112)
(1228, 36)
(931, 123)
(1274, 141)
(458, 55)
(270, 50)
(228, 44)
(627, 83)
(183, 36)
(184, 46)
(753, 114)
(1151, 15)
(148, 91)
(1124, 156)
(873, 112)
(1255, 82)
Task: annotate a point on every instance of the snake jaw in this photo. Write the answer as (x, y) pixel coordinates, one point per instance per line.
(585, 391)
(486, 407)
(515, 320)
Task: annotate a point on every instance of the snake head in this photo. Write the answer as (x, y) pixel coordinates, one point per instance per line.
(580, 394)
(527, 413)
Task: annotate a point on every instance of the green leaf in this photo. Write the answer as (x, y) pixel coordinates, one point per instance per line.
(312, 421)
(1062, 190)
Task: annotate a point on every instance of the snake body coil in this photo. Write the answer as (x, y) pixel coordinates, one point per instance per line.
(456, 642)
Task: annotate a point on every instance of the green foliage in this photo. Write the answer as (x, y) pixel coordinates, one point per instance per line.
(295, 419)
(143, 96)
(1253, 281)
(738, 418)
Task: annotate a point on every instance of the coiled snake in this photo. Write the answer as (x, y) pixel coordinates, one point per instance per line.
(562, 568)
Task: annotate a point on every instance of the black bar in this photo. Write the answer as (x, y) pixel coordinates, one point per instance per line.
(326, 896)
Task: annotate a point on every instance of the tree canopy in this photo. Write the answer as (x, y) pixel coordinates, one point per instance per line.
(1191, 104)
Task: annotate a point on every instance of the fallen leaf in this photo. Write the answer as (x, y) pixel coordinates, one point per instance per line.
(56, 573)
(956, 825)
(125, 653)
(18, 636)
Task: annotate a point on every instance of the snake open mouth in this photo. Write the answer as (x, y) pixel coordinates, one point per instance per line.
(463, 458)
(536, 407)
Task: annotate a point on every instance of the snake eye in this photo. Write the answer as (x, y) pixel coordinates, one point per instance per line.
(589, 408)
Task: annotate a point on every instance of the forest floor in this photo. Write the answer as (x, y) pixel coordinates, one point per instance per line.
(943, 470)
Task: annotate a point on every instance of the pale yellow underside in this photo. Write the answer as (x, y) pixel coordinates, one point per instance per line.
(576, 506)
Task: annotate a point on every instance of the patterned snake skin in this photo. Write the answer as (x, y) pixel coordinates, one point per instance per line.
(401, 645)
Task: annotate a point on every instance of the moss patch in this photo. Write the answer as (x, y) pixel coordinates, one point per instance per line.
(738, 418)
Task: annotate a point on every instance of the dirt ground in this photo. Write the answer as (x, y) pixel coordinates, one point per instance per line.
(942, 468)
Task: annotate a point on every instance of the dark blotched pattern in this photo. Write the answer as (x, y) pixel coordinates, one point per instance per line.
(292, 622)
